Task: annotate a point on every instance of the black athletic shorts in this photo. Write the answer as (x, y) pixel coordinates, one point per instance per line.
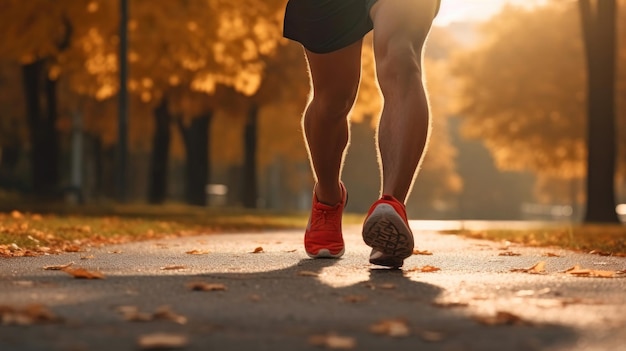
(324, 26)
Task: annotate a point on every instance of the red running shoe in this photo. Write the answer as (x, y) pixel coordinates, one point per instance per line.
(386, 230)
(323, 237)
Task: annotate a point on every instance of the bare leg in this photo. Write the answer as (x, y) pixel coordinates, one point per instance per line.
(335, 78)
(400, 29)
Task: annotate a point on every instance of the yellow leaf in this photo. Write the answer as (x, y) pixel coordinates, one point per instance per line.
(258, 250)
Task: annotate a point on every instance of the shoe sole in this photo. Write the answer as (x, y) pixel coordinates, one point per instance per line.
(385, 231)
(325, 253)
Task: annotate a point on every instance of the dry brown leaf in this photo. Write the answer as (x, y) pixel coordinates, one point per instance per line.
(425, 252)
(115, 252)
(255, 298)
(425, 269)
(258, 250)
(162, 341)
(71, 248)
(57, 267)
(166, 313)
(501, 318)
(172, 268)
(290, 251)
(81, 273)
(387, 286)
(88, 257)
(28, 315)
(308, 274)
(354, 298)
(593, 273)
(197, 252)
(551, 254)
(16, 215)
(395, 328)
(333, 341)
(509, 253)
(202, 286)
(538, 268)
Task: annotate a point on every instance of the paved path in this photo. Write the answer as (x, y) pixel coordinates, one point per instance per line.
(279, 299)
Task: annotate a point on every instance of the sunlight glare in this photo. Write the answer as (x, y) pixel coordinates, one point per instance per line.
(474, 10)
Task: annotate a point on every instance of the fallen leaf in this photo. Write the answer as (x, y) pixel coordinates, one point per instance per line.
(509, 253)
(550, 254)
(172, 268)
(501, 318)
(81, 273)
(450, 304)
(387, 286)
(258, 250)
(395, 328)
(28, 315)
(425, 269)
(526, 293)
(115, 252)
(585, 272)
(333, 341)
(162, 341)
(202, 286)
(132, 314)
(166, 313)
(254, 298)
(71, 248)
(308, 274)
(430, 336)
(538, 268)
(354, 298)
(16, 215)
(88, 257)
(290, 251)
(197, 252)
(58, 267)
(598, 252)
(425, 252)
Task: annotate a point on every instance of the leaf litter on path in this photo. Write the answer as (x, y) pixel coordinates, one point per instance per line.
(133, 314)
(257, 250)
(420, 252)
(592, 273)
(162, 341)
(57, 267)
(27, 315)
(538, 268)
(394, 327)
(333, 341)
(203, 286)
(501, 318)
(81, 273)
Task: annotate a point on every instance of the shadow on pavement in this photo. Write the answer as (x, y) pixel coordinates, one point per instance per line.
(267, 310)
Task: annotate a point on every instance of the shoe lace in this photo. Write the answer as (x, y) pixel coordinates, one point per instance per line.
(325, 220)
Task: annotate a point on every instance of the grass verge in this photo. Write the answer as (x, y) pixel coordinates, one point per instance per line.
(609, 240)
(63, 228)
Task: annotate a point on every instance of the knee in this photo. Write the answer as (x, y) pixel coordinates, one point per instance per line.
(399, 61)
(334, 103)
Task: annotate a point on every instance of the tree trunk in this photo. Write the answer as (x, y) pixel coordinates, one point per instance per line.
(44, 139)
(196, 140)
(249, 192)
(600, 48)
(157, 190)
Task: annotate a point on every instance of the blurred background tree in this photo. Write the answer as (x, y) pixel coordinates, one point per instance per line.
(216, 97)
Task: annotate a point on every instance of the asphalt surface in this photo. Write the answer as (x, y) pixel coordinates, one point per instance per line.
(279, 299)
